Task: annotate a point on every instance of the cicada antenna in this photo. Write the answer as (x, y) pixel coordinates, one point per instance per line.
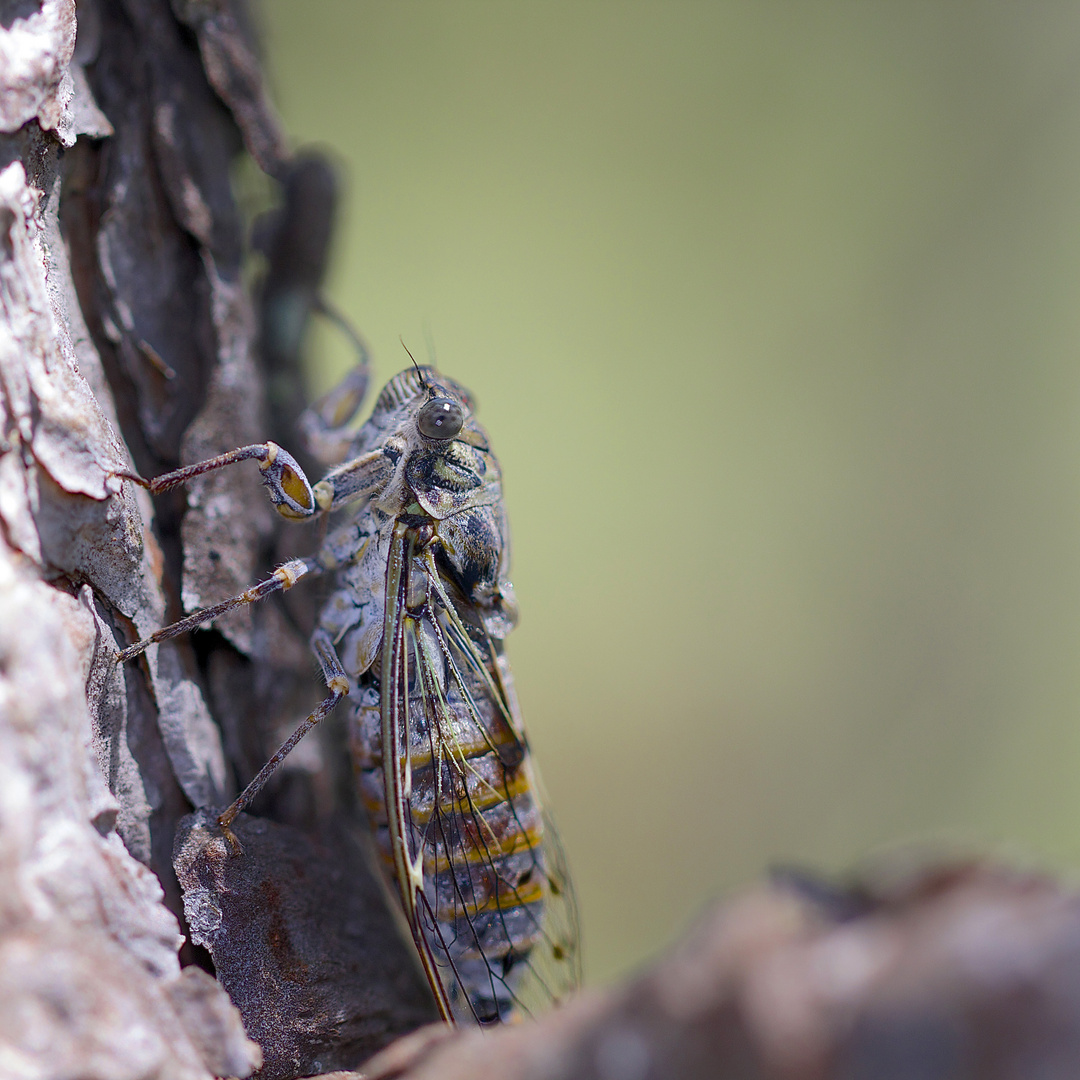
(419, 373)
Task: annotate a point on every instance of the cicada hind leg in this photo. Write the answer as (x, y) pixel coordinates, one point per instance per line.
(338, 685)
(337, 682)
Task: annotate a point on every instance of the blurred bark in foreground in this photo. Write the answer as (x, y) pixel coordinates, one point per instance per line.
(956, 971)
(128, 343)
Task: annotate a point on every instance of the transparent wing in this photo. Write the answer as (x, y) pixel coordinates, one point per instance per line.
(553, 967)
(490, 902)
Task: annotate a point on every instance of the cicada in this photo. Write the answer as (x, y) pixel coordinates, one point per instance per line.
(412, 638)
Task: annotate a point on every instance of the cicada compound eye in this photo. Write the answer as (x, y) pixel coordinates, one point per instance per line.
(441, 418)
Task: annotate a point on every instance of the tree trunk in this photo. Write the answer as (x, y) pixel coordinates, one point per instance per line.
(128, 345)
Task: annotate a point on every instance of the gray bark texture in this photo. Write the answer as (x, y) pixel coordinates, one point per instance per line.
(134, 943)
(128, 344)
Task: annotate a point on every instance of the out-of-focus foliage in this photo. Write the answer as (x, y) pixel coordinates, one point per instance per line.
(771, 310)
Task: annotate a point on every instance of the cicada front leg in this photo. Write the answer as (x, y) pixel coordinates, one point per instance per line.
(328, 435)
(293, 496)
(289, 488)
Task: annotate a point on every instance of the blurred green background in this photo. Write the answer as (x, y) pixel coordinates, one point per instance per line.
(772, 313)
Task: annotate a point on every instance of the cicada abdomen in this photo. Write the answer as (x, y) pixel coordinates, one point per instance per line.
(418, 620)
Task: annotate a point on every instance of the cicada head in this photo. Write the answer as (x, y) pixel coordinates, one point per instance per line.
(429, 419)
(419, 407)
